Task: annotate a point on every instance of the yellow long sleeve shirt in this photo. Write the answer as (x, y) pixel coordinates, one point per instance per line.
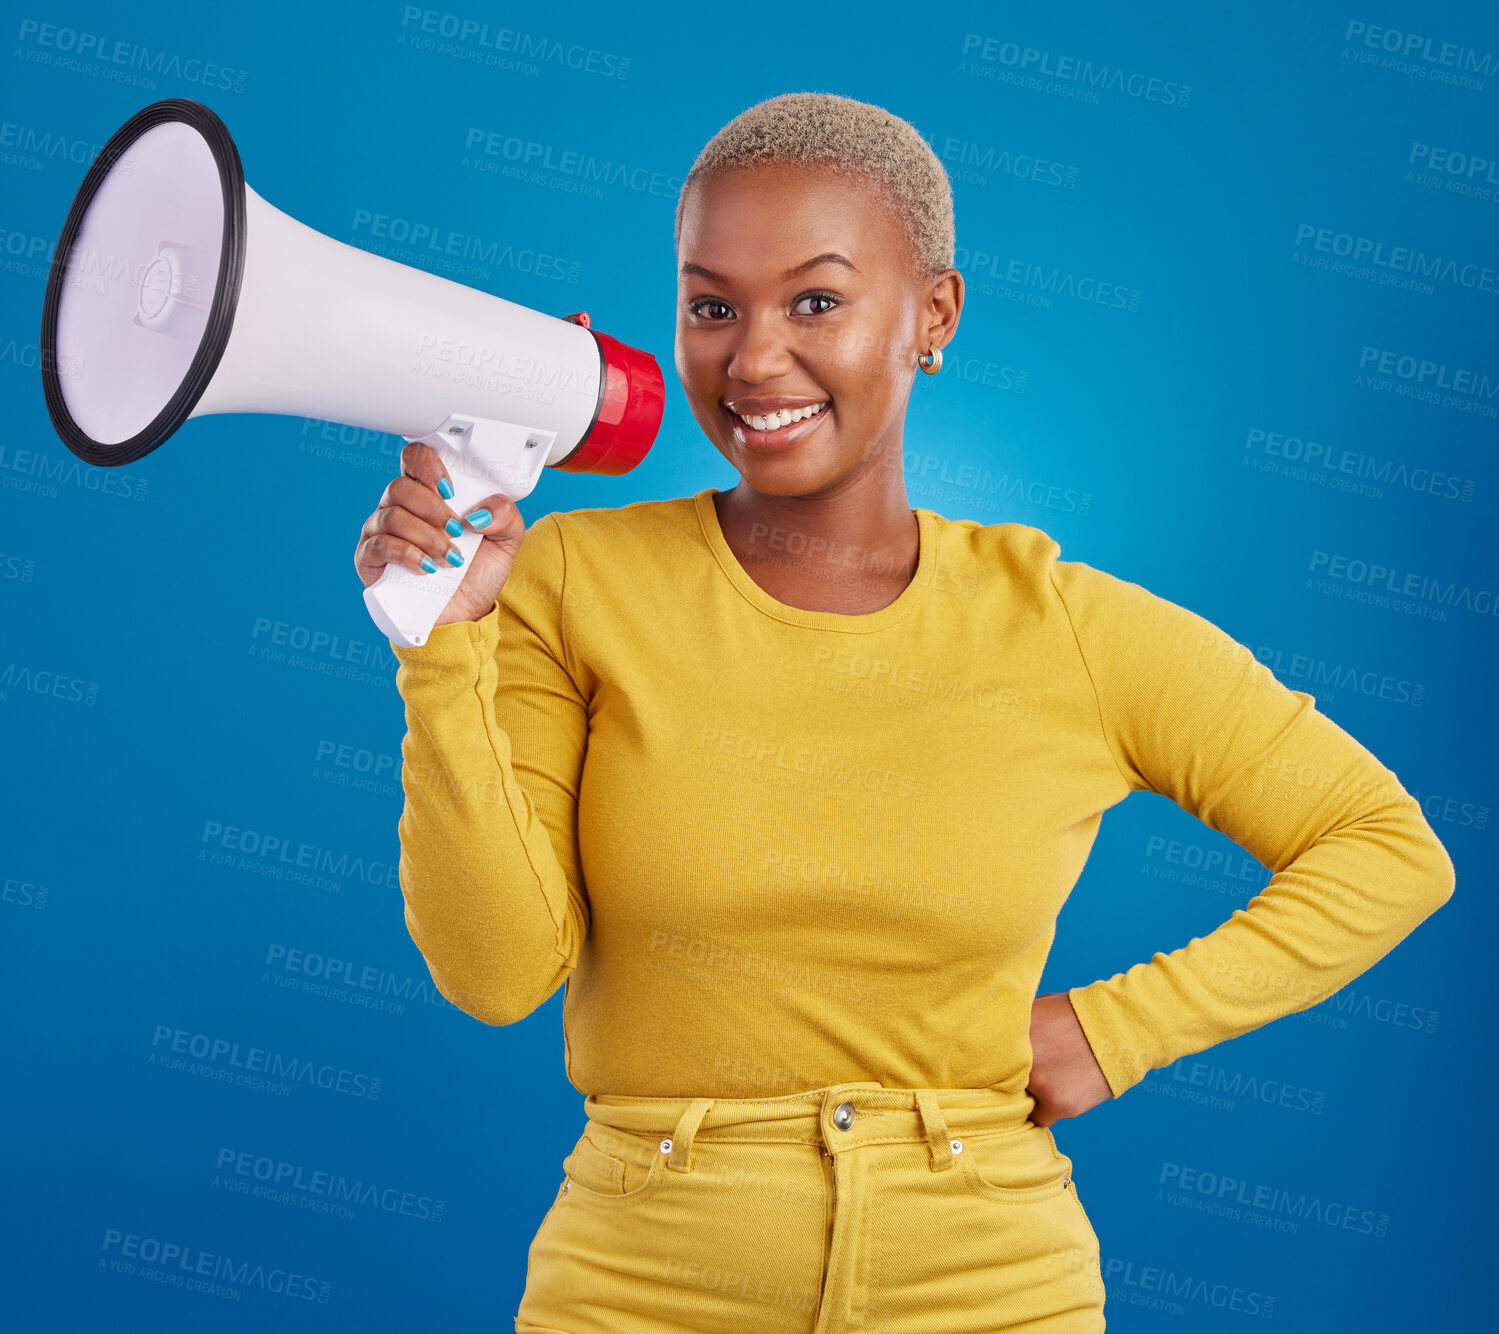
(768, 849)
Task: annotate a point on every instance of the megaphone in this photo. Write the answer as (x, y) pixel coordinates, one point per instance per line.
(176, 291)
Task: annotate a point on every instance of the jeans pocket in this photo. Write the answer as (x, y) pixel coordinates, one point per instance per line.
(613, 1166)
(1087, 1222)
(1018, 1166)
(1072, 1190)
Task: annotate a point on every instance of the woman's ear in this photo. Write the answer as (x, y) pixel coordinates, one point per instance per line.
(944, 306)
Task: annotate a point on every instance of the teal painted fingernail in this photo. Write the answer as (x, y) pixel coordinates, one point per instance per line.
(445, 489)
(455, 557)
(455, 529)
(429, 565)
(479, 518)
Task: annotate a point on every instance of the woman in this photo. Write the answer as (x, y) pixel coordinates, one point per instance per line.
(788, 784)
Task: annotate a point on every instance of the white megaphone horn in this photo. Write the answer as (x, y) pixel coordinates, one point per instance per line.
(176, 291)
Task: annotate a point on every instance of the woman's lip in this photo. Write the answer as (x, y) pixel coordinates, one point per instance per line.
(781, 437)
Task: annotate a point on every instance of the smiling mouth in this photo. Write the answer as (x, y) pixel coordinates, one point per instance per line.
(768, 430)
(770, 421)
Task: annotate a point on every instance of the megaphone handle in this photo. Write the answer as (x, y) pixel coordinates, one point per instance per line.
(482, 458)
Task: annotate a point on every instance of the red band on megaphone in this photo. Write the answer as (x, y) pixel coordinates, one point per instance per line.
(630, 412)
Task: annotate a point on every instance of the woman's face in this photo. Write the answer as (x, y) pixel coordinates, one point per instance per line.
(767, 320)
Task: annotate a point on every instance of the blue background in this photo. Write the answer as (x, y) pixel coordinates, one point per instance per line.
(139, 712)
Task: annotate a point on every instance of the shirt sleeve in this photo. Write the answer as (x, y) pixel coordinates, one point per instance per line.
(1191, 714)
(496, 731)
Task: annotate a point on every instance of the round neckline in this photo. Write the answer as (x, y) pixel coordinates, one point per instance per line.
(852, 623)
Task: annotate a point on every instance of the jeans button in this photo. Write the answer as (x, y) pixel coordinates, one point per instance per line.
(843, 1115)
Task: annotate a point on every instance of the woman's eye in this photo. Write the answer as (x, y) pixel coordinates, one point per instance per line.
(815, 296)
(716, 310)
(702, 304)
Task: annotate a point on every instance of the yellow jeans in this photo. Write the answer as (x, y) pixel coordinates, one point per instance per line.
(850, 1207)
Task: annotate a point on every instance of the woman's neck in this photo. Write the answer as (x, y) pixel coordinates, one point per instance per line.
(852, 552)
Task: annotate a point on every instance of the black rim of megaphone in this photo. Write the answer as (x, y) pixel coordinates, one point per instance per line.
(225, 293)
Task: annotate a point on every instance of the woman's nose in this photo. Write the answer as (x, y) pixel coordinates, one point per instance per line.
(760, 351)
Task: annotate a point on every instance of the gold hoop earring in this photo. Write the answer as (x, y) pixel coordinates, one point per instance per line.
(931, 363)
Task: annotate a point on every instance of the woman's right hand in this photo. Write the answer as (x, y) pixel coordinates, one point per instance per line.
(410, 523)
(1066, 1079)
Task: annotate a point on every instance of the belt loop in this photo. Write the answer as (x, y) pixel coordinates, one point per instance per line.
(936, 1130)
(680, 1159)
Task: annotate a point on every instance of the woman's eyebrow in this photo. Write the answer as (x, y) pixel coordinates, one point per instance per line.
(827, 257)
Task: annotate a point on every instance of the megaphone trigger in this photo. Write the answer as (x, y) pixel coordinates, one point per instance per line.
(483, 457)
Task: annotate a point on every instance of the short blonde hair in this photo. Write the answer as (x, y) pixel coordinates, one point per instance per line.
(856, 137)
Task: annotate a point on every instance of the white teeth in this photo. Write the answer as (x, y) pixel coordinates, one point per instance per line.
(773, 420)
